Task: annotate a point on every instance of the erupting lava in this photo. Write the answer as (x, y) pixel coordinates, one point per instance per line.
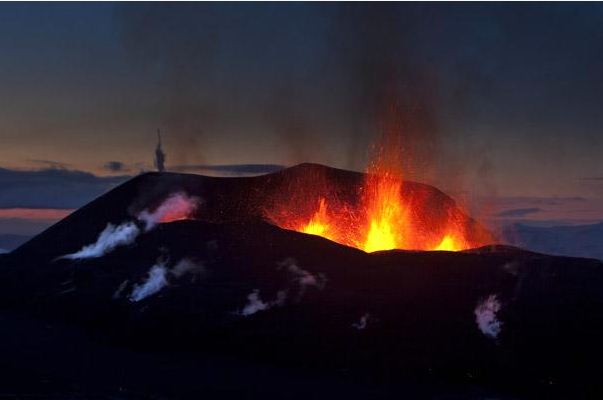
(386, 216)
(384, 220)
(380, 212)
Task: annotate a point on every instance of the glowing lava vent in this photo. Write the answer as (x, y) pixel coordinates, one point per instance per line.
(382, 212)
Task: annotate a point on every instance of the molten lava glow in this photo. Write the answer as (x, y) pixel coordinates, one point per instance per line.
(319, 224)
(380, 215)
(385, 214)
(449, 244)
(377, 211)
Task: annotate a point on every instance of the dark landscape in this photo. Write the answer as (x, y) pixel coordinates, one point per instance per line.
(253, 304)
(301, 200)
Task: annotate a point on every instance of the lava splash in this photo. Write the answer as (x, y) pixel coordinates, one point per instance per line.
(385, 219)
(380, 212)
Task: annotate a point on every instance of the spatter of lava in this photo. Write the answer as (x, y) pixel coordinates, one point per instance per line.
(381, 215)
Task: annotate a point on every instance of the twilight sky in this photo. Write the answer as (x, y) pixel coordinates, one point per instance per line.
(497, 100)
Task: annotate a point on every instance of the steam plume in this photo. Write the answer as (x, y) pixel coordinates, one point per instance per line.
(304, 279)
(120, 290)
(110, 238)
(176, 207)
(156, 280)
(185, 266)
(485, 316)
(362, 323)
(256, 304)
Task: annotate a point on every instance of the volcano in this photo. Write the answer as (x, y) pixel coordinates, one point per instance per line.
(195, 268)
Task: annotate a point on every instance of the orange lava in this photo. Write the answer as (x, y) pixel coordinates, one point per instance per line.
(382, 221)
(381, 212)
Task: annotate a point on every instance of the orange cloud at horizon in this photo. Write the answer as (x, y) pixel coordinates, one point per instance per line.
(35, 213)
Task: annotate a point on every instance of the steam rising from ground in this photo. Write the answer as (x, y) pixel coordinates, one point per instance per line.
(304, 279)
(362, 323)
(157, 280)
(176, 207)
(256, 304)
(301, 279)
(159, 276)
(485, 316)
(110, 238)
(185, 266)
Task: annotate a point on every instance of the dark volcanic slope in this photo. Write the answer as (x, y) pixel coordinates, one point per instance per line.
(249, 289)
(223, 200)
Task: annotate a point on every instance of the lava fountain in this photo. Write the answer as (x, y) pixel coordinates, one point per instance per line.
(381, 212)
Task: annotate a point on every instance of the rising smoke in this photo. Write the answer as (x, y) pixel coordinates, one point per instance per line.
(158, 277)
(110, 238)
(362, 323)
(301, 278)
(255, 303)
(156, 280)
(358, 63)
(486, 318)
(299, 282)
(186, 266)
(176, 207)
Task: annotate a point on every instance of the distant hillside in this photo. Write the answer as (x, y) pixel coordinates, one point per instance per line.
(577, 240)
(9, 242)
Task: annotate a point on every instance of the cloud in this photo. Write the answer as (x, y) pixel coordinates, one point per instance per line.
(156, 280)
(518, 212)
(44, 214)
(109, 239)
(486, 318)
(229, 170)
(115, 166)
(51, 164)
(52, 187)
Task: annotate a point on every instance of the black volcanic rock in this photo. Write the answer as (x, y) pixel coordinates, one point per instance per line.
(320, 308)
(223, 200)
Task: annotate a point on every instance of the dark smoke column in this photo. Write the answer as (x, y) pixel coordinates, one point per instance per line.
(159, 154)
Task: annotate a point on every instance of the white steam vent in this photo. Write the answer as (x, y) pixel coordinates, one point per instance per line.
(156, 280)
(256, 304)
(176, 207)
(486, 318)
(111, 237)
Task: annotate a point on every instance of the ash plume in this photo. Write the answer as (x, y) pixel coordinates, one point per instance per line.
(156, 280)
(486, 318)
(358, 60)
(159, 154)
(110, 238)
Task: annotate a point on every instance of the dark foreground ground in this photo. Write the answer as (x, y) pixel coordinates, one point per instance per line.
(49, 360)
